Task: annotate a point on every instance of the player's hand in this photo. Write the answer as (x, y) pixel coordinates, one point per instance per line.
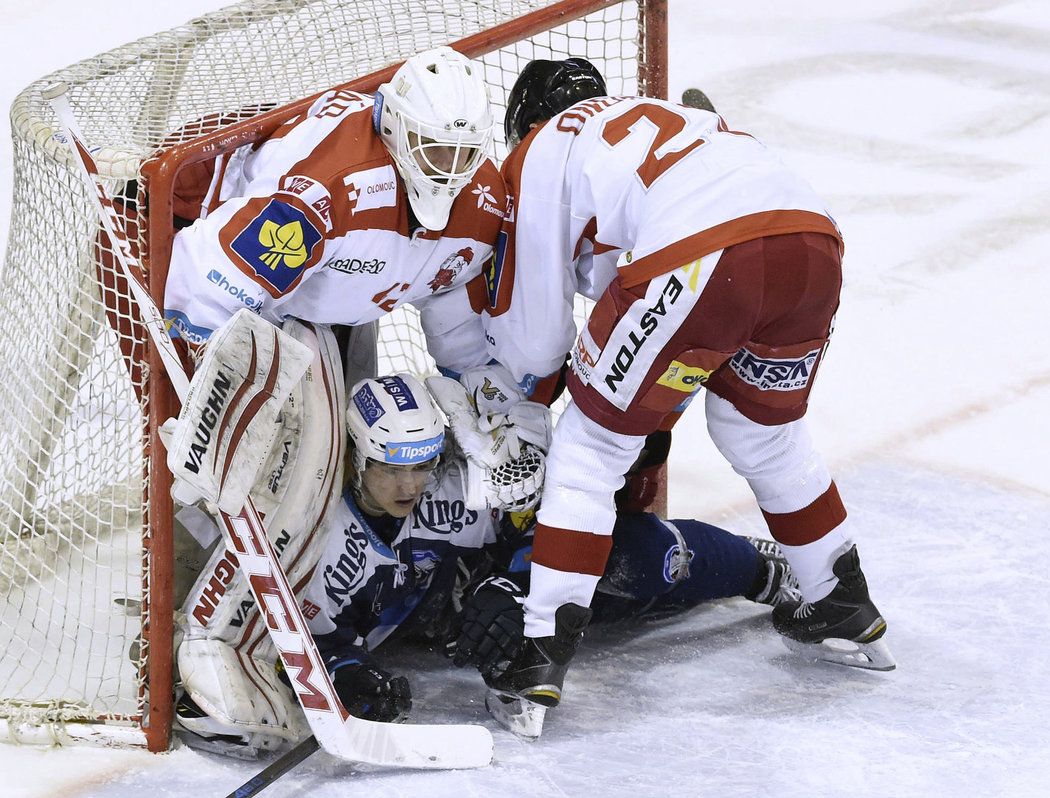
(370, 692)
(493, 625)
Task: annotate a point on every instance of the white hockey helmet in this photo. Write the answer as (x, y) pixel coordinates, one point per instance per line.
(394, 420)
(434, 118)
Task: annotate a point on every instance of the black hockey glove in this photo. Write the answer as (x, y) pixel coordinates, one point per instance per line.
(493, 625)
(370, 692)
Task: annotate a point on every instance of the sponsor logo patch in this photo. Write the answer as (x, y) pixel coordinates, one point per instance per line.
(179, 326)
(647, 325)
(774, 374)
(585, 355)
(528, 384)
(415, 451)
(310, 609)
(396, 388)
(277, 243)
(371, 188)
(312, 193)
(684, 378)
(355, 265)
(486, 201)
(218, 278)
(368, 405)
(377, 111)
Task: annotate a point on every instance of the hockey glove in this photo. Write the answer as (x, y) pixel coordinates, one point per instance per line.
(493, 625)
(370, 692)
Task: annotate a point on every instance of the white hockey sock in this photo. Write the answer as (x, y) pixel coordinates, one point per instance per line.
(548, 590)
(585, 468)
(812, 563)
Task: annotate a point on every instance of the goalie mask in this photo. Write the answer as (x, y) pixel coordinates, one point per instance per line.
(545, 88)
(398, 435)
(434, 118)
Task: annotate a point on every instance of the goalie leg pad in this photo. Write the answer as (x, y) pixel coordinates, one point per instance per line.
(258, 709)
(305, 486)
(227, 424)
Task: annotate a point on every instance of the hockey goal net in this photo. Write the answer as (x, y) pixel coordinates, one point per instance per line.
(87, 565)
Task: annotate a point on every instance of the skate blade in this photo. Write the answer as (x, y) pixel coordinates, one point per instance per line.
(518, 715)
(874, 656)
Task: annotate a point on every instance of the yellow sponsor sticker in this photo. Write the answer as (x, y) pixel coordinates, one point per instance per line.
(683, 378)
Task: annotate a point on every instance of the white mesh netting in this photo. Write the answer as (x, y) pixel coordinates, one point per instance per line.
(74, 589)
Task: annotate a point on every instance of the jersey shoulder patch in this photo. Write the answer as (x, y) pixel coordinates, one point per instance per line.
(273, 241)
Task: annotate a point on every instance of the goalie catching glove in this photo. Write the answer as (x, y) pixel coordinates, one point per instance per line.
(223, 435)
(505, 452)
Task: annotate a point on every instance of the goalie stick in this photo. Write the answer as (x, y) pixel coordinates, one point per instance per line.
(337, 732)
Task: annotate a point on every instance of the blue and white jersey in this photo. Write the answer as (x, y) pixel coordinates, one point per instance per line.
(364, 588)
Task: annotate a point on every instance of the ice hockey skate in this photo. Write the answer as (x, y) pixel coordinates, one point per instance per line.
(199, 731)
(520, 694)
(518, 715)
(844, 627)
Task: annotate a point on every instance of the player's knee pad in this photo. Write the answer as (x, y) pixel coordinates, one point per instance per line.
(779, 462)
(585, 468)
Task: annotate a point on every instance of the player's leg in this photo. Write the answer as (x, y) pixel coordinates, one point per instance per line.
(625, 380)
(755, 409)
(572, 540)
(663, 565)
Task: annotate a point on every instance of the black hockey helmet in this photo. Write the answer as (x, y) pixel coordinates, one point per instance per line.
(545, 88)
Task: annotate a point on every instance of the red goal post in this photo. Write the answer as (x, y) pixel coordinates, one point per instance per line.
(88, 576)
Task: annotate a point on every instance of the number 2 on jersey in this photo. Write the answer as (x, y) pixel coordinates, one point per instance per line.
(668, 124)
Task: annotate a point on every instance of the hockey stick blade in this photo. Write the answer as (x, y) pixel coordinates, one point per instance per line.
(268, 775)
(694, 98)
(338, 732)
(341, 734)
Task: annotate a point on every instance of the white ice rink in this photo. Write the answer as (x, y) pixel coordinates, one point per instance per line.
(926, 126)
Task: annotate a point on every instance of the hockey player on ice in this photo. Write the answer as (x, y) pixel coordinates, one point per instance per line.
(712, 265)
(356, 207)
(402, 544)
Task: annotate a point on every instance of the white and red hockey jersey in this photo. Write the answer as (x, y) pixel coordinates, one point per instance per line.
(314, 224)
(631, 186)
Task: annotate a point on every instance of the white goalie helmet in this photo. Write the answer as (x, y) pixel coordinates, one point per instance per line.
(434, 118)
(394, 420)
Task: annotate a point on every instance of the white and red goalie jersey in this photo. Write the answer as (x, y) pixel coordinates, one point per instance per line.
(631, 186)
(314, 224)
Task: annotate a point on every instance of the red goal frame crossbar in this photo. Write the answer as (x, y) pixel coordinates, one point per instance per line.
(159, 177)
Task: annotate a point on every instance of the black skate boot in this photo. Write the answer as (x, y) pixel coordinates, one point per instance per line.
(538, 671)
(520, 695)
(844, 627)
(774, 583)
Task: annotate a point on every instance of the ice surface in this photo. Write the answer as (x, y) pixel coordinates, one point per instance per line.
(924, 123)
